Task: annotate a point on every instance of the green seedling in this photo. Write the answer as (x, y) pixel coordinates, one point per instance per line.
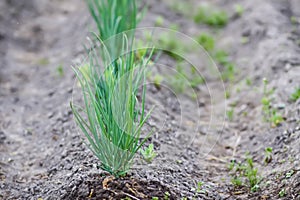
(159, 21)
(245, 174)
(276, 118)
(206, 41)
(268, 155)
(43, 61)
(270, 114)
(211, 16)
(194, 78)
(248, 82)
(292, 159)
(183, 79)
(251, 174)
(282, 161)
(221, 57)
(177, 82)
(181, 7)
(167, 196)
(230, 114)
(227, 94)
(236, 181)
(199, 188)
(231, 165)
(195, 81)
(245, 40)
(148, 153)
(229, 71)
(179, 161)
(155, 198)
(238, 89)
(228, 74)
(289, 174)
(296, 95)
(157, 80)
(282, 193)
(60, 70)
(239, 10)
(174, 27)
(171, 44)
(294, 20)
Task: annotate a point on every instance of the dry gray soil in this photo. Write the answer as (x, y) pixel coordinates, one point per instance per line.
(42, 154)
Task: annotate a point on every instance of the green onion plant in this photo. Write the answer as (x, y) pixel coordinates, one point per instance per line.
(112, 117)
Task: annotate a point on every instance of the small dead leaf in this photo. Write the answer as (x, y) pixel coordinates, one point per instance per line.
(91, 193)
(106, 181)
(264, 197)
(239, 192)
(135, 192)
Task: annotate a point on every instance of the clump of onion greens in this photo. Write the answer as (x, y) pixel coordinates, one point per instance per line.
(112, 117)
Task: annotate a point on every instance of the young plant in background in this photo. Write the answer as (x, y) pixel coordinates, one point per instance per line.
(172, 44)
(157, 79)
(266, 100)
(211, 16)
(248, 82)
(200, 188)
(270, 114)
(245, 174)
(244, 40)
(294, 20)
(181, 7)
(159, 21)
(194, 78)
(178, 81)
(239, 9)
(148, 153)
(230, 114)
(185, 77)
(295, 95)
(282, 193)
(221, 57)
(167, 196)
(268, 155)
(228, 73)
(206, 41)
(60, 70)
